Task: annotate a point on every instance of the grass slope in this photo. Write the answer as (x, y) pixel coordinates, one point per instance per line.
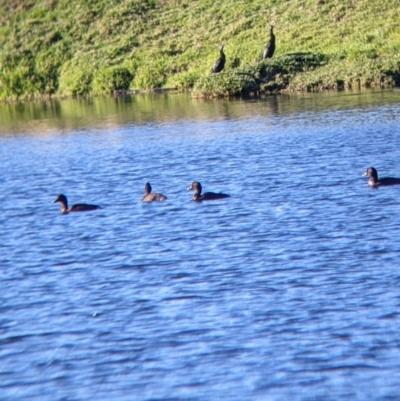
(74, 47)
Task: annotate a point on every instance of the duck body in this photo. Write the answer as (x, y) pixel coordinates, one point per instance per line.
(207, 196)
(375, 182)
(219, 63)
(270, 47)
(152, 196)
(78, 207)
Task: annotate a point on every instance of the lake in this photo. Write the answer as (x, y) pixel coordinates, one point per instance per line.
(287, 290)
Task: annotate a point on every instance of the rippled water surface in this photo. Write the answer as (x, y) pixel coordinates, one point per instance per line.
(288, 290)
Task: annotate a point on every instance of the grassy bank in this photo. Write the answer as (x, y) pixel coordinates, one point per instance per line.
(60, 47)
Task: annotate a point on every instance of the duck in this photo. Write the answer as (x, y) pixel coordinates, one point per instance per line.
(220, 62)
(79, 207)
(270, 47)
(199, 197)
(152, 197)
(375, 182)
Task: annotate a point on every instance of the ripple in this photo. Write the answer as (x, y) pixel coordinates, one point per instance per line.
(286, 290)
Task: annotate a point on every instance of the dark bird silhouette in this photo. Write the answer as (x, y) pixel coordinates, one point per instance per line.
(199, 197)
(375, 182)
(79, 207)
(152, 196)
(270, 48)
(220, 63)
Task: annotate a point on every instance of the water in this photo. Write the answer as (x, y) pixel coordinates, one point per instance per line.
(290, 289)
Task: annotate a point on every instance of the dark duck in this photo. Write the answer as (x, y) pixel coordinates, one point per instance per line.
(207, 196)
(219, 63)
(270, 47)
(374, 181)
(78, 207)
(152, 196)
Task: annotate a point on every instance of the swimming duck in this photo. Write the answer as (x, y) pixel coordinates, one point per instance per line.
(79, 207)
(198, 197)
(375, 182)
(152, 197)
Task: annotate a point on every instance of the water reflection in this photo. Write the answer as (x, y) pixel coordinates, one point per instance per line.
(107, 112)
(289, 289)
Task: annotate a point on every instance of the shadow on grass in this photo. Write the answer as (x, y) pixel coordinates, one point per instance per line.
(266, 76)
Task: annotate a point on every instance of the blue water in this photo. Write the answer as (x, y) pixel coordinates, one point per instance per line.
(289, 289)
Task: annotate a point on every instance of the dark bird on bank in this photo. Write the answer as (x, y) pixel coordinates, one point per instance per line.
(198, 196)
(270, 47)
(79, 207)
(375, 182)
(152, 197)
(220, 63)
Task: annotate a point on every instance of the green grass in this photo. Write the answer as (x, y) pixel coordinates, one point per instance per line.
(72, 48)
